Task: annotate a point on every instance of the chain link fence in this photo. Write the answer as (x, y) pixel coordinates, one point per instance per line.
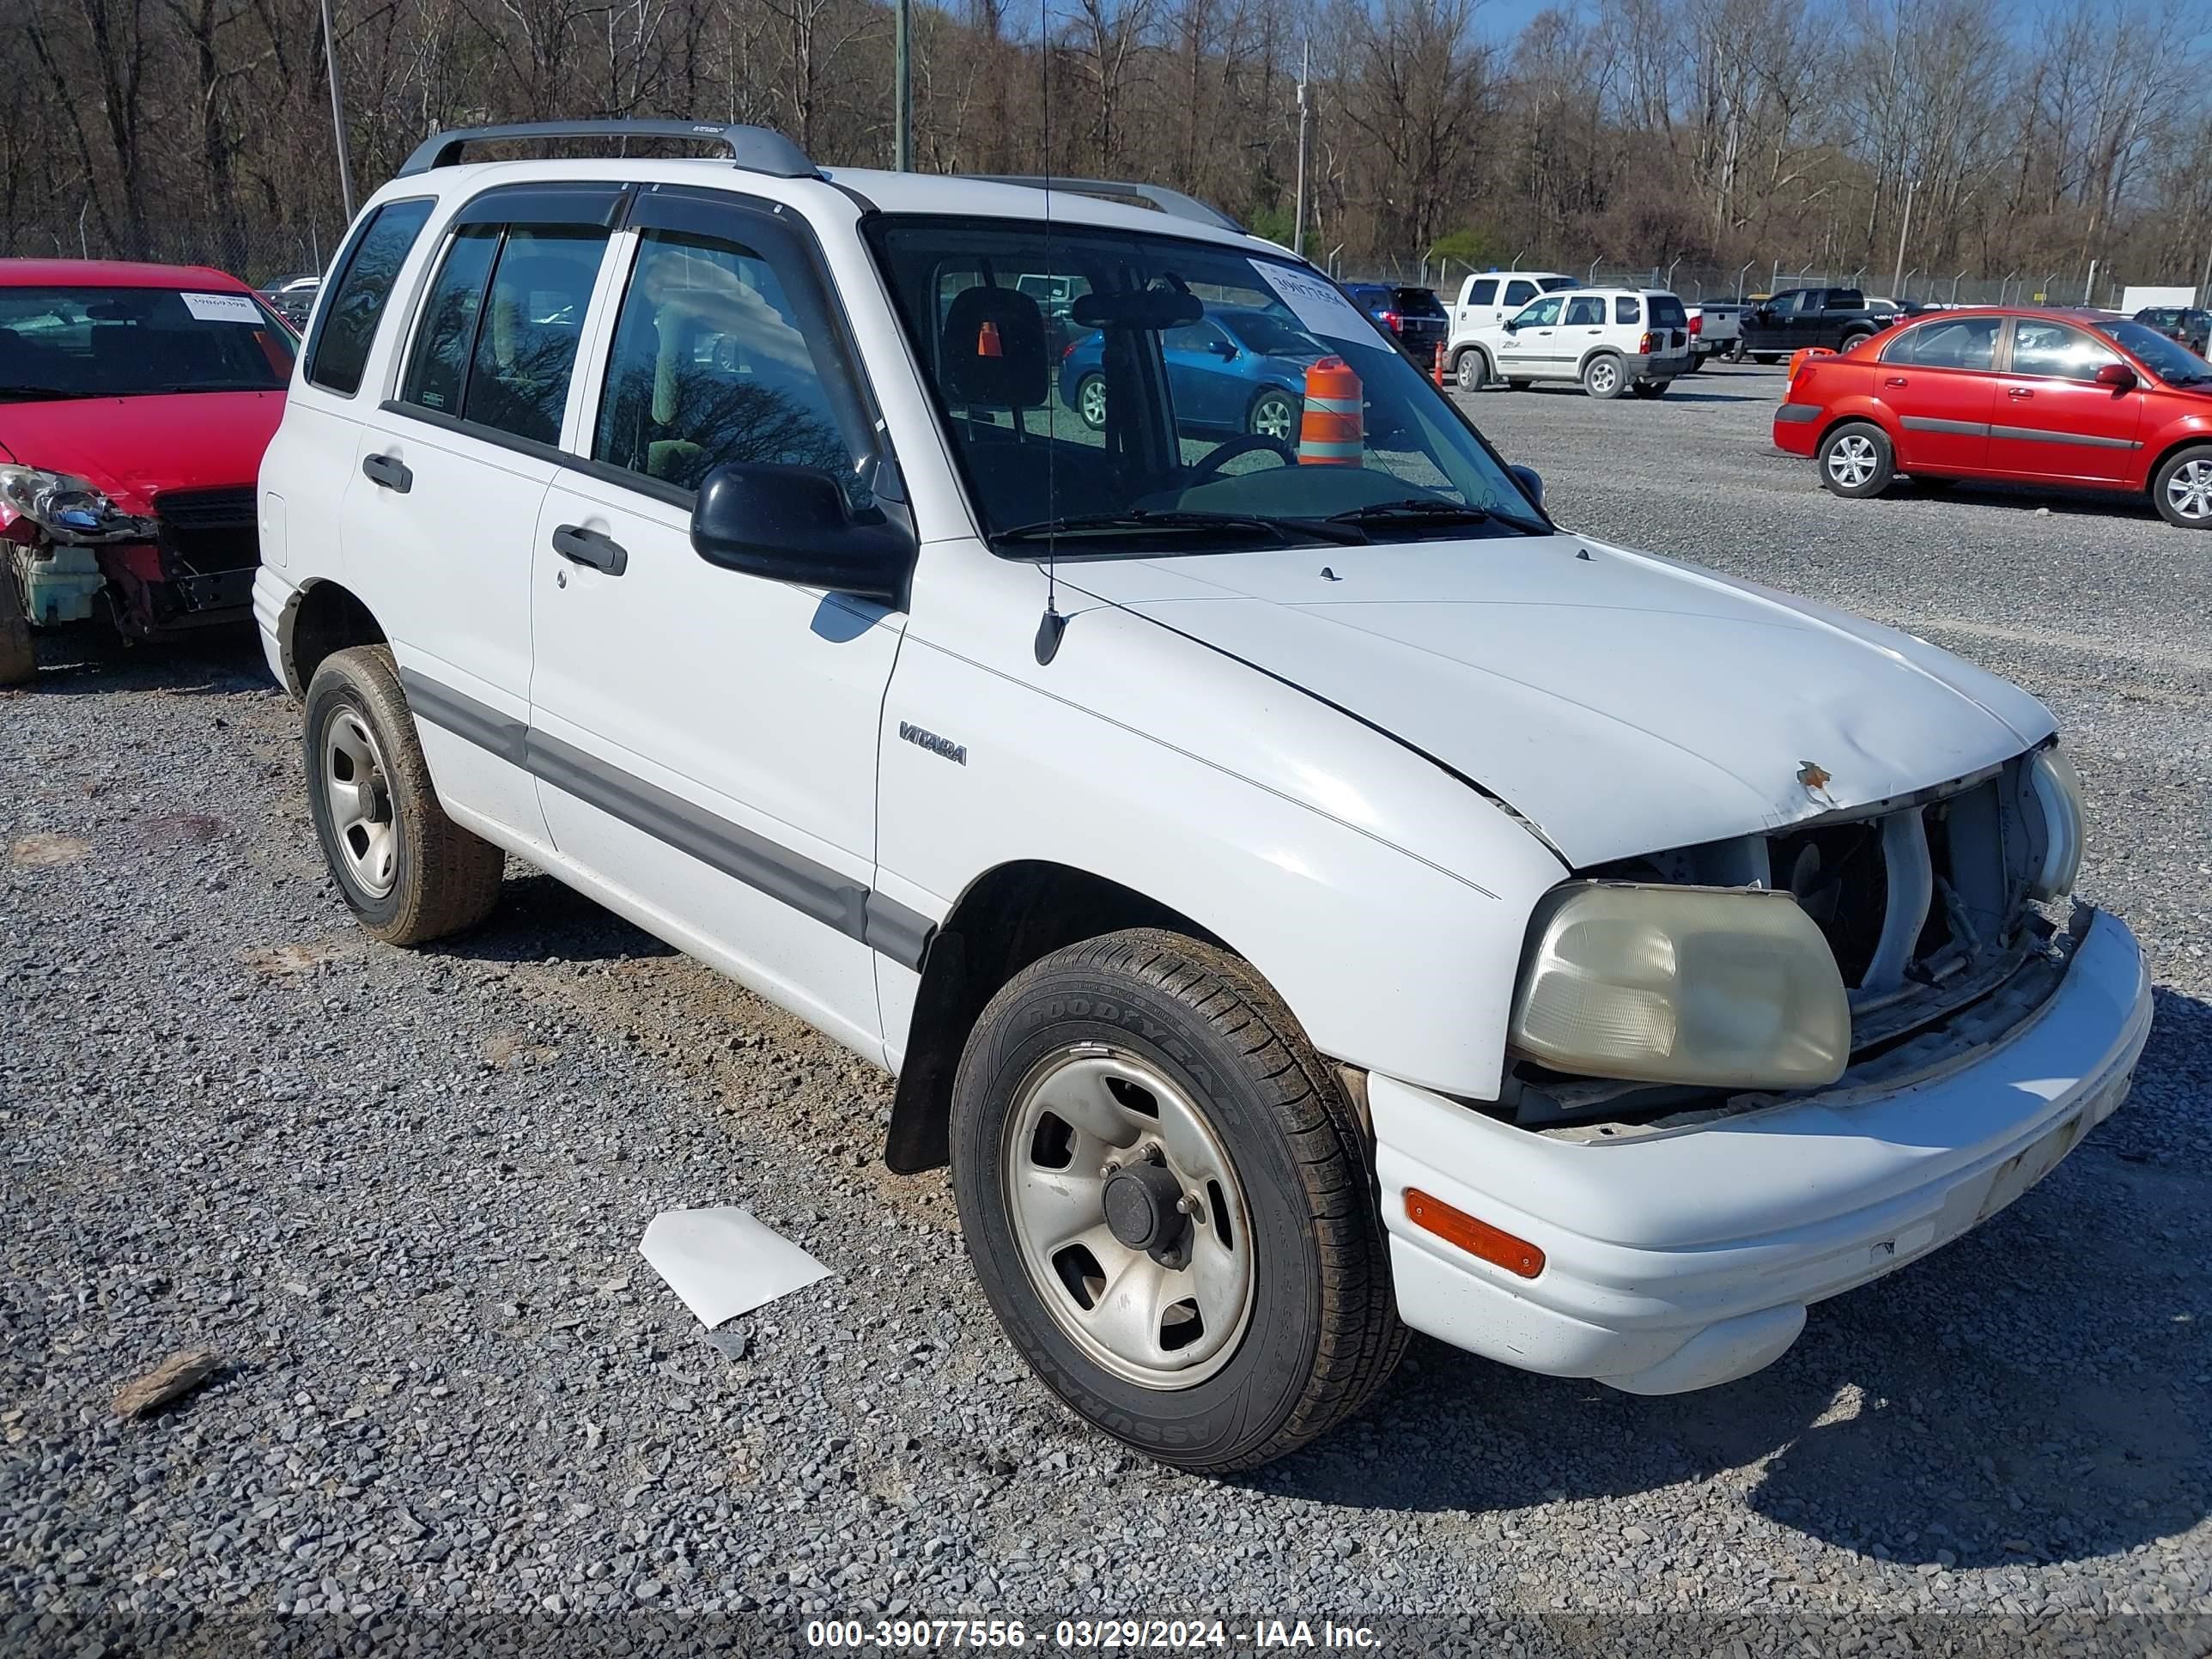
(257, 252)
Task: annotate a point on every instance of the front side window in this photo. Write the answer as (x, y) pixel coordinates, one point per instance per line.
(1968, 342)
(1318, 431)
(2053, 348)
(1542, 315)
(716, 358)
(347, 328)
(499, 353)
(59, 343)
(1585, 311)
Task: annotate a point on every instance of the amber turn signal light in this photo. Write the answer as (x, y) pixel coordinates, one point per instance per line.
(1493, 1244)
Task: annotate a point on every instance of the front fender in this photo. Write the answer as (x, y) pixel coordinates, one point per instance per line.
(1384, 898)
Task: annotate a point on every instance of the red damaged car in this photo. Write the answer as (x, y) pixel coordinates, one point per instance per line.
(134, 402)
(2090, 402)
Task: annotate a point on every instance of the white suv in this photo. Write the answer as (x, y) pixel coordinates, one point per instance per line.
(1303, 893)
(1611, 340)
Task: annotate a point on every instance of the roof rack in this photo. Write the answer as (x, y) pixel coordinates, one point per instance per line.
(752, 150)
(1159, 196)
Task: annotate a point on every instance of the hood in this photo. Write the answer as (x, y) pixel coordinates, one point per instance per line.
(1621, 702)
(133, 448)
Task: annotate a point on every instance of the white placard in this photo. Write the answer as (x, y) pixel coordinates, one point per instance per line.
(724, 1261)
(222, 308)
(1315, 300)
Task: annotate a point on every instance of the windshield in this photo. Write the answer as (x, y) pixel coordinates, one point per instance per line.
(2173, 362)
(1193, 398)
(58, 343)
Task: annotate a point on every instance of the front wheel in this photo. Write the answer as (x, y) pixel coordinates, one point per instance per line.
(1273, 415)
(1091, 401)
(1165, 1194)
(1856, 460)
(2183, 489)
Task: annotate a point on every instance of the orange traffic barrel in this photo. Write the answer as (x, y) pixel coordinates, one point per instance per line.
(1331, 428)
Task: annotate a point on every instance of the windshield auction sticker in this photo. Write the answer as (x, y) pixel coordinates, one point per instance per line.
(1315, 300)
(222, 308)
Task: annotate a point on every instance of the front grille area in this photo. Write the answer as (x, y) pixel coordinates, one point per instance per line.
(204, 532)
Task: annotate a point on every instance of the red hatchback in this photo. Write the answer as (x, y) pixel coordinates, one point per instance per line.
(2042, 397)
(134, 402)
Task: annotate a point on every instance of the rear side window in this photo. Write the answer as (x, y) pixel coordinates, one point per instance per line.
(2053, 348)
(1846, 299)
(500, 354)
(1585, 311)
(1519, 294)
(343, 333)
(1626, 309)
(1969, 343)
(1483, 293)
(1666, 312)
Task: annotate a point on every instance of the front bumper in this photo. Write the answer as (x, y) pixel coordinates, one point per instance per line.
(1686, 1258)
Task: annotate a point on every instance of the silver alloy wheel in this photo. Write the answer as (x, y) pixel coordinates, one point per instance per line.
(2190, 490)
(1852, 460)
(356, 789)
(1470, 372)
(1273, 417)
(1167, 1317)
(1604, 376)
(1091, 401)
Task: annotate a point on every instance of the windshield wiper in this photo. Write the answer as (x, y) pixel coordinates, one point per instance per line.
(1430, 510)
(1148, 519)
(35, 393)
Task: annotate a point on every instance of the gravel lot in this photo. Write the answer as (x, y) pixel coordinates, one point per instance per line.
(402, 1193)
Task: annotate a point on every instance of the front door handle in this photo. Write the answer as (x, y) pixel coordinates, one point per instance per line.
(388, 472)
(1895, 380)
(582, 546)
(2018, 391)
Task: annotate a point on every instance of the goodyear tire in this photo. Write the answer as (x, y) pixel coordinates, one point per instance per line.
(409, 874)
(1166, 1198)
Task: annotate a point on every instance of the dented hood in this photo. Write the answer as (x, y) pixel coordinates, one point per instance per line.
(133, 448)
(1621, 702)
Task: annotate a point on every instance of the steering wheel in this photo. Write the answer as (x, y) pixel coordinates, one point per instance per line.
(1245, 444)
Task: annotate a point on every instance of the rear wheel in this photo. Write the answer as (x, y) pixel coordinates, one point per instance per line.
(1518, 386)
(1165, 1196)
(408, 874)
(1856, 460)
(2183, 489)
(1765, 357)
(1091, 401)
(1471, 369)
(1649, 388)
(1604, 376)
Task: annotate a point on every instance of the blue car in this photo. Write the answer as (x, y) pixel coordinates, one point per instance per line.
(1236, 370)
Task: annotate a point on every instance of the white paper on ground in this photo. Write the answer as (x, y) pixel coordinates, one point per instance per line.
(724, 1263)
(1315, 300)
(222, 308)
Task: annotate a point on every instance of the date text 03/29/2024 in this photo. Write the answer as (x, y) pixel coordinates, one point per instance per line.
(1163, 1634)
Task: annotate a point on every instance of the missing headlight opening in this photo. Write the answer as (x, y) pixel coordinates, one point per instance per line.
(1937, 908)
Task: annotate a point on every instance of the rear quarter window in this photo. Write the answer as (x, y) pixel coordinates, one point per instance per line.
(346, 327)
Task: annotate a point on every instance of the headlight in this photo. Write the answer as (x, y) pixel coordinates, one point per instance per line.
(1724, 985)
(66, 506)
(2058, 793)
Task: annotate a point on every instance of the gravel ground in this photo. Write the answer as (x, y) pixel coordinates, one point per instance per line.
(401, 1194)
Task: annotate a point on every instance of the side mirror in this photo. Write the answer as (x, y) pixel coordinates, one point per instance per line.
(795, 524)
(1530, 480)
(1222, 349)
(1512, 325)
(2118, 376)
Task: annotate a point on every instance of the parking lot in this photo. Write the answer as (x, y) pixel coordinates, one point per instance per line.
(401, 1194)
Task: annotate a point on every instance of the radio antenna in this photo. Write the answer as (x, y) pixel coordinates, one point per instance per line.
(1052, 624)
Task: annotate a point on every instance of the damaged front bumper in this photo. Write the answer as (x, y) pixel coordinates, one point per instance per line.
(190, 566)
(1680, 1258)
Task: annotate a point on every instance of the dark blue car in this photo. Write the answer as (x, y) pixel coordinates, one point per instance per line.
(1236, 370)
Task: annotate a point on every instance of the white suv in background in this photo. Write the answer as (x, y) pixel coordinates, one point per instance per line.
(1610, 340)
(1303, 893)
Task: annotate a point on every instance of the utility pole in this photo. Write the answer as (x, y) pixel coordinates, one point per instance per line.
(2204, 282)
(902, 87)
(1897, 281)
(337, 111)
(1298, 206)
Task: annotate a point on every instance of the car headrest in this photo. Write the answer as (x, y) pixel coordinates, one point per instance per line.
(993, 349)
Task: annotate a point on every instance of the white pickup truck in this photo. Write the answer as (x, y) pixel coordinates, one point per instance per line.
(1489, 298)
(1715, 331)
(1303, 892)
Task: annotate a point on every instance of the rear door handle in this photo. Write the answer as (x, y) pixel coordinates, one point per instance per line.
(388, 472)
(582, 546)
